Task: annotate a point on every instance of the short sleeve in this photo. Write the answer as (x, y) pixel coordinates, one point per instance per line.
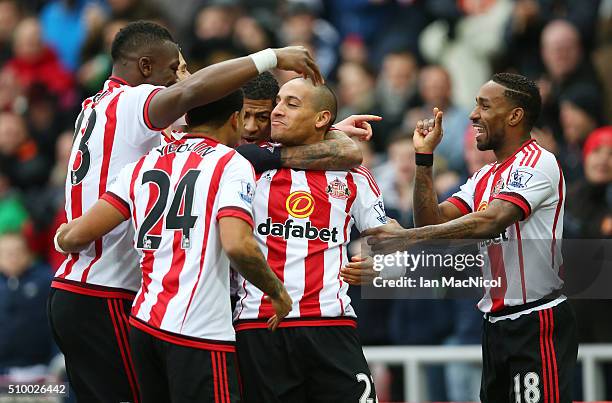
(118, 193)
(237, 190)
(528, 188)
(463, 199)
(368, 209)
(134, 110)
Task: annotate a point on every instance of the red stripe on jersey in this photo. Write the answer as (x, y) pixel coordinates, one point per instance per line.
(518, 200)
(314, 263)
(148, 256)
(557, 212)
(146, 111)
(118, 203)
(280, 187)
(463, 207)
(181, 340)
(349, 204)
(525, 155)
(537, 157)
(481, 186)
(521, 263)
(529, 154)
(236, 212)
(109, 139)
(370, 178)
(92, 290)
(496, 257)
(170, 282)
(213, 189)
(74, 257)
(135, 174)
(543, 357)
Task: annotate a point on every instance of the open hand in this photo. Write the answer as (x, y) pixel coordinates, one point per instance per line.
(298, 59)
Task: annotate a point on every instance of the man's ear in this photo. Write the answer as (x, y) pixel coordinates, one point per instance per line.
(234, 120)
(145, 66)
(323, 119)
(516, 116)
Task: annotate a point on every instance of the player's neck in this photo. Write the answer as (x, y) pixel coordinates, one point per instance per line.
(125, 74)
(510, 146)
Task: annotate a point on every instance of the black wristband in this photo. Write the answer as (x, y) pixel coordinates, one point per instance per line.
(424, 159)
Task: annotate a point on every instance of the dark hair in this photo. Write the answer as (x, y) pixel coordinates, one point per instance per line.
(216, 113)
(325, 100)
(262, 87)
(136, 36)
(523, 93)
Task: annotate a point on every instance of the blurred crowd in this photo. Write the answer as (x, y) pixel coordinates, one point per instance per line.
(395, 58)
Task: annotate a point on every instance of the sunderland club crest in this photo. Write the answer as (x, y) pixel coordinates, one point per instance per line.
(338, 189)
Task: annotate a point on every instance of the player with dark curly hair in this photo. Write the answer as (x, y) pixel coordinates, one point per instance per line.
(515, 207)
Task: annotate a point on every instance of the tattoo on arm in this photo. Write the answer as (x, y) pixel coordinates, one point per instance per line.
(336, 152)
(252, 265)
(424, 199)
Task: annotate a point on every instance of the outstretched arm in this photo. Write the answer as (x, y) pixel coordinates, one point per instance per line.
(485, 224)
(218, 80)
(95, 223)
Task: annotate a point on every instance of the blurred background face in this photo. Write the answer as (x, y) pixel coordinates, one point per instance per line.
(598, 166)
(354, 84)
(28, 44)
(561, 49)
(249, 33)
(576, 123)
(214, 22)
(401, 156)
(435, 86)
(14, 255)
(399, 71)
(9, 18)
(13, 133)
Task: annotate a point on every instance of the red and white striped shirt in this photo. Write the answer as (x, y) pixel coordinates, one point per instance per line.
(175, 196)
(302, 224)
(112, 130)
(527, 255)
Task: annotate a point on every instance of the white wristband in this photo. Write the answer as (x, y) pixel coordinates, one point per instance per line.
(264, 60)
(57, 247)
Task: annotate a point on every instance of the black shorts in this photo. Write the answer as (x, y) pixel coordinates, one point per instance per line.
(92, 333)
(168, 372)
(303, 364)
(530, 358)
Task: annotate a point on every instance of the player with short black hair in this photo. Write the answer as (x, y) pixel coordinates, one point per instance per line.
(181, 324)
(93, 290)
(515, 207)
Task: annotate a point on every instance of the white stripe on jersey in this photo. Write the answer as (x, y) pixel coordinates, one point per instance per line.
(527, 254)
(176, 194)
(302, 224)
(110, 133)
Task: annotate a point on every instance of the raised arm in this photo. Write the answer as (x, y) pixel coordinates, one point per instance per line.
(218, 80)
(95, 223)
(239, 243)
(426, 210)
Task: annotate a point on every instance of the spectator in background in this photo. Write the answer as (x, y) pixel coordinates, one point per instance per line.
(26, 347)
(566, 66)
(435, 89)
(396, 179)
(579, 116)
(133, 10)
(524, 27)
(97, 64)
(213, 34)
(10, 14)
(253, 35)
(34, 62)
(396, 89)
(354, 50)
(466, 47)
(13, 214)
(301, 26)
